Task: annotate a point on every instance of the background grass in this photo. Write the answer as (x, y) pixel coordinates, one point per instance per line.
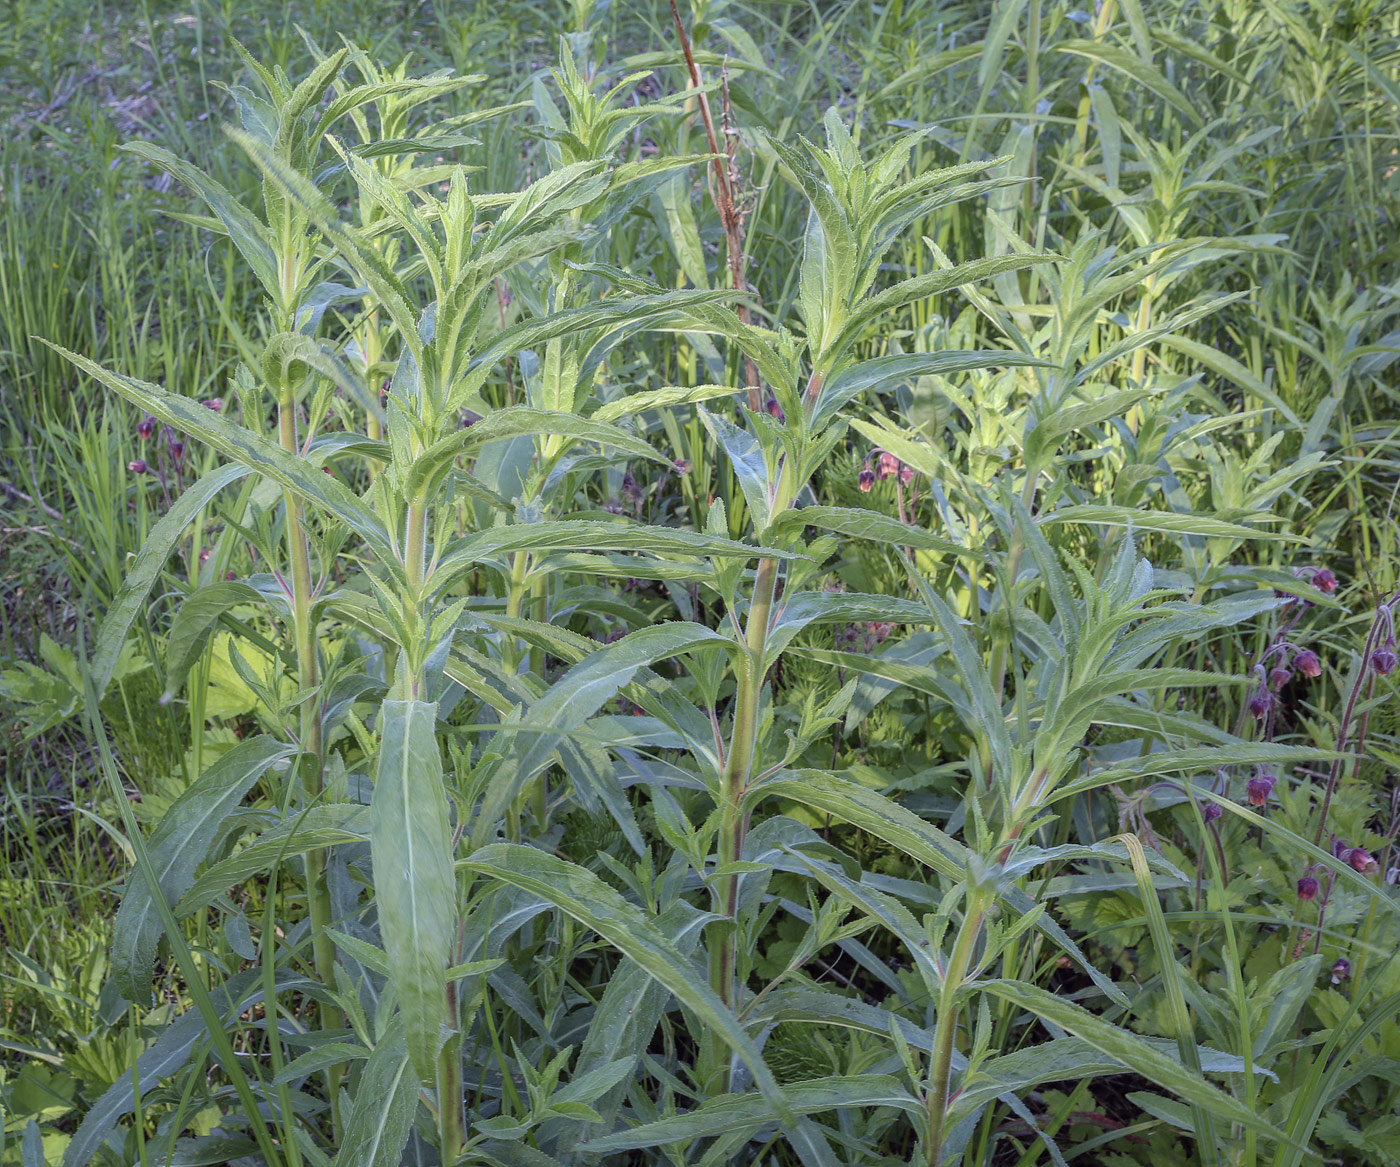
(1273, 125)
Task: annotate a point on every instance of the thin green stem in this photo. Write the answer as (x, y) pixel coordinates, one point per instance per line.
(946, 1028)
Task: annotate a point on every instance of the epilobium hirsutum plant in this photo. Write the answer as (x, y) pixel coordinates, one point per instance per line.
(526, 928)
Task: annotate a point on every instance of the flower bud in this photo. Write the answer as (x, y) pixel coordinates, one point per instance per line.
(774, 409)
(1260, 787)
(1341, 970)
(1324, 581)
(1384, 660)
(1211, 811)
(214, 403)
(886, 466)
(1362, 860)
(1306, 662)
(1261, 703)
(177, 450)
(1307, 888)
(146, 428)
(866, 480)
(137, 466)
(1340, 848)
(1278, 678)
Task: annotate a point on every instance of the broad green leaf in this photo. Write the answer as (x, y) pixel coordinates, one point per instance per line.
(333, 1053)
(1144, 73)
(415, 890)
(178, 845)
(579, 893)
(385, 1102)
(672, 395)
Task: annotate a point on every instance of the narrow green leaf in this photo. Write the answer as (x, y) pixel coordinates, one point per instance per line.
(177, 846)
(415, 891)
(581, 894)
(145, 569)
(385, 1103)
(1126, 1047)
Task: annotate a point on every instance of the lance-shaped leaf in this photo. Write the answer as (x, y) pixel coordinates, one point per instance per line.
(146, 568)
(1132, 1051)
(319, 826)
(252, 238)
(411, 846)
(746, 1112)
(883, 372)
(177, 846)
(582, 895)
(384, 1106)
(884, 818)
(577, 696)
(1169, 521)
(862, 524)
(247, 449)
(193, 624)
(518, 421)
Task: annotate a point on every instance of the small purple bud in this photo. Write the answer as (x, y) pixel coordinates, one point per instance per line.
(866, 480)
(1384, 660)
(214, 403)
(774, 409)
(1261, 703)
(146, 428)
(1211, 811)
(1340, 848)
(137, 466)
(1341, 970)
(1260, 787)
(1324, 581)
(906, 474)
(1306, 662)
(1307, 888)
(203, 555)
(228, 575)
(886, 465)
(1363, 861)
(177, 450)
(1278, 678)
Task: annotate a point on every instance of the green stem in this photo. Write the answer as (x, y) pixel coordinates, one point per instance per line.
(312, 744)
(946, 1029)
(451, 1121)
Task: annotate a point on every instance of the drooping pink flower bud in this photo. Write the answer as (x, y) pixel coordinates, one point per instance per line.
(1384, 660)
(146, 428)
(1363, 861)
(1324, 581)
(1307, 888)
(774, 409)
(866, 480)
(1261, 703)
(137, 466)
(1260, 787)
(214, 403)
(1306, 662)
(1341, 970)
(886, 465)
(177, 450)
(1211, 811)
(906, 474)
(1278, 678)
